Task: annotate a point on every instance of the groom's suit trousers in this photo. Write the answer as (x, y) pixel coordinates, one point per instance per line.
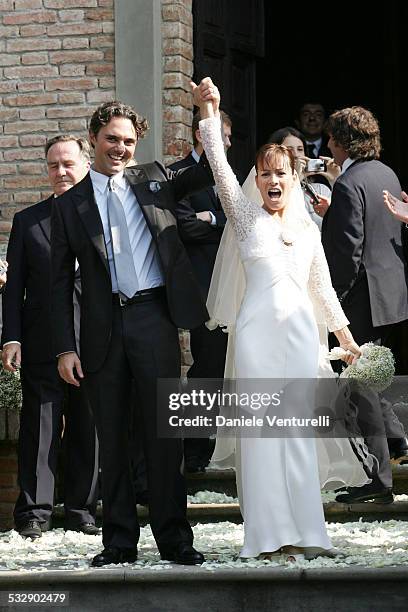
(144, 346)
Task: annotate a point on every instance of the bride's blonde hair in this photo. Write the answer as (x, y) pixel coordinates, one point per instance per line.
(269, 153)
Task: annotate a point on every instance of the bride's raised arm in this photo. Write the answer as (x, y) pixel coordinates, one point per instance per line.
(237, 207)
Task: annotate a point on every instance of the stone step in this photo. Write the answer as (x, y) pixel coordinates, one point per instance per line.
(223, 481)
(182, 589)
(334, 512)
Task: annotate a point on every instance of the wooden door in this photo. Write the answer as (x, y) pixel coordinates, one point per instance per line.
(228, 39)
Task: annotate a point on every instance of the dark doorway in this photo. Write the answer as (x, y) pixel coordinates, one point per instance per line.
(353, 54)
(228, 40)
(268, 57)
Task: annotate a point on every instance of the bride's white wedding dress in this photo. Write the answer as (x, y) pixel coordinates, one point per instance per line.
(276, 337)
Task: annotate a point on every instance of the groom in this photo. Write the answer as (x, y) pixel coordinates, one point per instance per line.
(138, 287)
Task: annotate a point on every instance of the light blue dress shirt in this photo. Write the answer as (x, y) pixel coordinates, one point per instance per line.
(145, 256)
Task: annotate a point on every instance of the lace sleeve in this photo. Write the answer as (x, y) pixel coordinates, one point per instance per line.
(241, 211)
(321, 288)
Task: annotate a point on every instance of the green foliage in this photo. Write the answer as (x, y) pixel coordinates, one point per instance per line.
(10, 390)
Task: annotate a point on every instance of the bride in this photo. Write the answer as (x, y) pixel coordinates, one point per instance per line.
(275, 336)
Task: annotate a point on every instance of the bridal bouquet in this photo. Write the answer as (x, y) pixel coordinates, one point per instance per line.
(375, 367)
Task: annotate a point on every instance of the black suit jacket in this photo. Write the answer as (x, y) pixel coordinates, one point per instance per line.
(77, 232)
(362, 242)
(200, 238)
(26, 297)
(323, 149)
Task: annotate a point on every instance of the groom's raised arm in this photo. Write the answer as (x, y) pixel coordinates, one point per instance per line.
(187, 181)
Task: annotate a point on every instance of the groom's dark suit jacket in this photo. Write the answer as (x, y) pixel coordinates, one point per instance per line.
(77, 232)
(362, 242)
(200, 238)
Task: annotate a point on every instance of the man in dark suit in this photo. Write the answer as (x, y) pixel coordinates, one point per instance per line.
(138, 288)
(201, 221)
(26, 341)
(363, 247)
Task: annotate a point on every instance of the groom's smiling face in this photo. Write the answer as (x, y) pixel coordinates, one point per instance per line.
(114, 145)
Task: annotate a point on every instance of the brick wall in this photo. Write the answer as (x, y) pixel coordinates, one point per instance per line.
(177, 45)
(177, 32)
(56, 66)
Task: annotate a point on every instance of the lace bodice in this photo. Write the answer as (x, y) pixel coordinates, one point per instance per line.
(260, 234)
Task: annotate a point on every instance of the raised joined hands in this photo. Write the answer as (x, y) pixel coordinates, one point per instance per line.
(207, 97)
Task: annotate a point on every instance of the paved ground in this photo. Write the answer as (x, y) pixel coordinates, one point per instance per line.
(364, 544)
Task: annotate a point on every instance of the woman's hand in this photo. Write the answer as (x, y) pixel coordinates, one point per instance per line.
(396, 207)
(351, 349)
(332, 170)
(300, 165)
(322, 206)
(207, 97)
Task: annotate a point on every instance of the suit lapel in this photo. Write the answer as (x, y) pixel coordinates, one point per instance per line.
(84, 201)
(138, 180)
(43, 214)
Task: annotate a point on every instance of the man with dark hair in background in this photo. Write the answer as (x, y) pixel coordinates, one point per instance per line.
(310, 122)
(363, 247)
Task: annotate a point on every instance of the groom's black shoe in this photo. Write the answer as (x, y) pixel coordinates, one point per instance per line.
(367, 493)
(112, 554)
(183, 554)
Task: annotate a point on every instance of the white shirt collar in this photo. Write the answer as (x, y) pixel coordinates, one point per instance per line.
(195, 155)
(100, 181)
(346, 164)
(316, 143)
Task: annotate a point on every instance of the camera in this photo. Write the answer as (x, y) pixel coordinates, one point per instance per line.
(315, 165)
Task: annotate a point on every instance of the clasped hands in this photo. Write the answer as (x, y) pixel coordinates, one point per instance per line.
(207, 97)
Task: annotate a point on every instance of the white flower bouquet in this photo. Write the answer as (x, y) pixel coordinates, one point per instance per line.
(375, 368)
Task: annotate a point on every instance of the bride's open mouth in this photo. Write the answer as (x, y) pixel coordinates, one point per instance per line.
(274, 194)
